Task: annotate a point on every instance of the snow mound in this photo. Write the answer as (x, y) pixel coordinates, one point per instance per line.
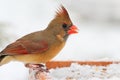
(80, 72)
(86, 72)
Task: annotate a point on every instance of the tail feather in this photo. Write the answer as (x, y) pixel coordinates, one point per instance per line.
(2, 57)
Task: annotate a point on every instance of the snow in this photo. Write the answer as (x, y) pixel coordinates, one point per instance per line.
(86, 72)
(14, 71)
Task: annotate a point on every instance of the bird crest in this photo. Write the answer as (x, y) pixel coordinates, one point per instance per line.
(62, 12)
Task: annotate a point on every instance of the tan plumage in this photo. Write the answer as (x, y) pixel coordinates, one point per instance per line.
(41, 46)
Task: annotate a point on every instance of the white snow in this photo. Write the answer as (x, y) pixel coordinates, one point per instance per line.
(86, 72)
(13, 71)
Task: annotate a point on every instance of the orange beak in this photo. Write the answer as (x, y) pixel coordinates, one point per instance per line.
(73, 30)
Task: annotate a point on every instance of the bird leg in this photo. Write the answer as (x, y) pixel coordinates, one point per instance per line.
(39, 67)
(38, 72)
(30, 65)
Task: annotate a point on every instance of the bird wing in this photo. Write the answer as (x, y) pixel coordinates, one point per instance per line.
(25, 47)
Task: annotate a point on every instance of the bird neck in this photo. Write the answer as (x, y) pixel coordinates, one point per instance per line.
(52, 33)
(66, 37)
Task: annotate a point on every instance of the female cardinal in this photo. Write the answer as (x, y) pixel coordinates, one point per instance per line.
(41, 46)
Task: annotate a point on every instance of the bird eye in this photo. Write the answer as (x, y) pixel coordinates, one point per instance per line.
(64, 25)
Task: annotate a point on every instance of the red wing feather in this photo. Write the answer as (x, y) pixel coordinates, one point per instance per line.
(26, 47)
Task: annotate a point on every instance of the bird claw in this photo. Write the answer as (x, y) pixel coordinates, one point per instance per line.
(29, 65)
(39, 67)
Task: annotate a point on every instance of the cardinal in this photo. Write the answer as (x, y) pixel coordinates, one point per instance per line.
(41, 46)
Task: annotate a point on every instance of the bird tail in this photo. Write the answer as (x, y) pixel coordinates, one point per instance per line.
(2, 57)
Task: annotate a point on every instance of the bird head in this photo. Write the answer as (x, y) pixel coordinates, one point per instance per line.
(62, 23)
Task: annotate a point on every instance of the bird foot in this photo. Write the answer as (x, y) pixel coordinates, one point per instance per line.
(29, 65)
(39, 67)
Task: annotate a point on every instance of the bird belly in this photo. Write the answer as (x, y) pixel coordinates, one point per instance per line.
(41, 57)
